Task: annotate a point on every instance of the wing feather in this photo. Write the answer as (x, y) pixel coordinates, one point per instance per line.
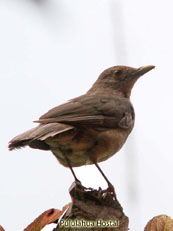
(99, 111)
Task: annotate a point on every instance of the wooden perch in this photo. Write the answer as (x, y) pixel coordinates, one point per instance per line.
(92, 210)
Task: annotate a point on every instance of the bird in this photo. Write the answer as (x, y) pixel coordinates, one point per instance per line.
(91, 128)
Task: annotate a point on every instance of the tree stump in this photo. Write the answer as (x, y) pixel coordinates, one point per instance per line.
(92, 210)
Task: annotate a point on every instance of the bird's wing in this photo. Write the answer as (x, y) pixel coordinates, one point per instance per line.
(91, 110)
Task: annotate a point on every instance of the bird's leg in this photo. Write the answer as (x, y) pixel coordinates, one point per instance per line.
(75, 177)
(69, 164)
(110, 186)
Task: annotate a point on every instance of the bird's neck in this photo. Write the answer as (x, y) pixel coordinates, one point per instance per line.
(95, 90)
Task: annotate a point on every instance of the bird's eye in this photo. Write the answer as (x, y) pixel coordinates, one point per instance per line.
(118, 72)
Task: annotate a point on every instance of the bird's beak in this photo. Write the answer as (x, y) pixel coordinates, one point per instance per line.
(133, 76)
(143, 70)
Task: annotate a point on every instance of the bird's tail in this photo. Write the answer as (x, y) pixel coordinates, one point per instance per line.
(35, 137)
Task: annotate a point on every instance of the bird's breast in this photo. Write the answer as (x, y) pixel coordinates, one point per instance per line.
(110, 143)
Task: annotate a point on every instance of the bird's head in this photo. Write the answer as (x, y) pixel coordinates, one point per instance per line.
(120, 79)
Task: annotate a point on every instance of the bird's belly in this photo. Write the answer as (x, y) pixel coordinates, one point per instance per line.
(81, 149)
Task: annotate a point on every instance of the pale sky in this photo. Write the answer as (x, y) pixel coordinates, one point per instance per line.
(51, 51)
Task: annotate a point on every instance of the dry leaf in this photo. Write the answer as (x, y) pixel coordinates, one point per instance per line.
(48, 217)
(160, 223)
(1, 228)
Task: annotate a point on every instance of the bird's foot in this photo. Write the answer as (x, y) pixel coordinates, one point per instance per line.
(110, 190)
(79, 184)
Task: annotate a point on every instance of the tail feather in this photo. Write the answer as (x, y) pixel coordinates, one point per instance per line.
(35, 137)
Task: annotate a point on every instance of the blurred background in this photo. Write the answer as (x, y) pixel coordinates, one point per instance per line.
(51, 51)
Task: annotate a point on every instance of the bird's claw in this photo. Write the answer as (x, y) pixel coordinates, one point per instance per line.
(110, 190)
(78, 183)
